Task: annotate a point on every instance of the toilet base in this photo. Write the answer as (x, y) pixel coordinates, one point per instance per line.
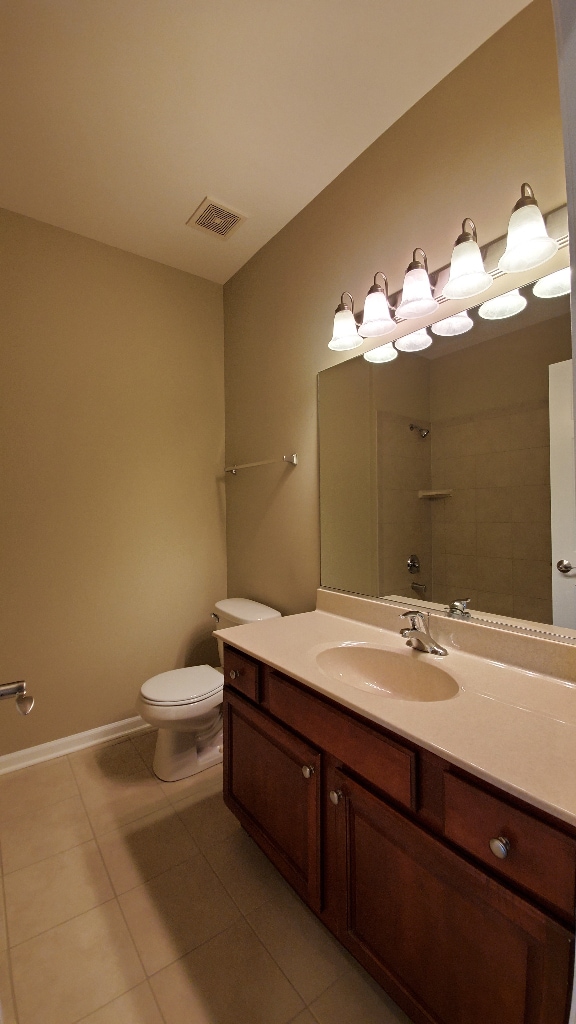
(179, 755)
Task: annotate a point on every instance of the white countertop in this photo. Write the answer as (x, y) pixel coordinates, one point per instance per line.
(510, 726)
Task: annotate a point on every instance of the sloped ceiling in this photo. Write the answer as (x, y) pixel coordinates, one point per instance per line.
(118, 118)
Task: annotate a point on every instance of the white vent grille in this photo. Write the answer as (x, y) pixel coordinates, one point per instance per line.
(215, 218)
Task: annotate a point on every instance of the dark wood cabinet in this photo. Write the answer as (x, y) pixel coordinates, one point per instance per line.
(448, 943)
(390, 846)
(272, 783)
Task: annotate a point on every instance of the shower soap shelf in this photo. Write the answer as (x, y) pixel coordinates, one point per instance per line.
(434, 495)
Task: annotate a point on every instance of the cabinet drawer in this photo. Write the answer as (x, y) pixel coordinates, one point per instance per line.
(539, 857)
(242, 673)
(386, 764)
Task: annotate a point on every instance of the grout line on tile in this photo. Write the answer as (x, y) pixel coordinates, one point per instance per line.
(8, 947)
(114, 998)
(119, 905)
(49, 856)
(31, 938)
(282, 971)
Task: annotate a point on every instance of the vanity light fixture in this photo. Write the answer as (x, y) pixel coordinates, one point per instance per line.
(503, 306)
(415, 342)
(345, 336)
(553, 285)
(460, 323)
(377, 319)
(383, 354)
(467, 274)
(417, 298)
(528, 243)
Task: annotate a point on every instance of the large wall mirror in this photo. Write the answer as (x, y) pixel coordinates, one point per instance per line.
(448, 474)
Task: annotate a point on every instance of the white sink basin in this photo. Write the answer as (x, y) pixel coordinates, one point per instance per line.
(389, 673)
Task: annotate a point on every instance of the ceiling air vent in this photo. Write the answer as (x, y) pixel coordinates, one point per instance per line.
(215, 218)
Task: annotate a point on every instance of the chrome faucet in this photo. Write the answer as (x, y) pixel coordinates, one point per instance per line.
(418, 633)
(459, 609)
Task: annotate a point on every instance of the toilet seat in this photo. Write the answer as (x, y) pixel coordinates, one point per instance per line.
(182, 686)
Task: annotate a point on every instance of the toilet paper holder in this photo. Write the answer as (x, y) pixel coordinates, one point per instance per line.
(17, 689)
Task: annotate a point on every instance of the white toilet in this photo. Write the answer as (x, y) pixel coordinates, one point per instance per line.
(185, 705)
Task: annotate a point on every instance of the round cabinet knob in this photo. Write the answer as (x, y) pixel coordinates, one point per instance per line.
(500, 847)
(307, 771)
(564, 566)
(336, 796)
(234, 674)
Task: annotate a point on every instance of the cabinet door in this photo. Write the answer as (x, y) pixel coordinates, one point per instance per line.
(272, 784)
(451, 945)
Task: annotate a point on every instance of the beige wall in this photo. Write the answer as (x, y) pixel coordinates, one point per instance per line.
(111, 508)
(462, 150)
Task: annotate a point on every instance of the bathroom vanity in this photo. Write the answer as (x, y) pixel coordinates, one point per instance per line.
(444, 863)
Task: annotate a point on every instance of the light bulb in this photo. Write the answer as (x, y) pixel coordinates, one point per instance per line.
(528, 243)
(384, 354)
(467, 274)
(377, 320)
(460, 323)
(417, 298)
(415, 342)
(503, 306)
(553, 285)
(345, 335)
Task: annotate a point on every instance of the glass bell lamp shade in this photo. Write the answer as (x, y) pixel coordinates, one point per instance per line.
(345, 336)
(460, 323)
(528, 243)
(467, 274)
(553, 285)
(417, 298)
(383, 354)
(377, 320)
(503, 306)
(415, 342)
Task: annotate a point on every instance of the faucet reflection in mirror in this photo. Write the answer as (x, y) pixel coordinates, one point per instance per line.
(528, 245)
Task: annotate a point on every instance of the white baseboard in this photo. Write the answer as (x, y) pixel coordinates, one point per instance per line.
(68, 744)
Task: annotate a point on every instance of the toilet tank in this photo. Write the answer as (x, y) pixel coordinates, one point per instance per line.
(237, 611)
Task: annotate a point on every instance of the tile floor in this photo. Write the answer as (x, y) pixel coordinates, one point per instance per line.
(130, 901)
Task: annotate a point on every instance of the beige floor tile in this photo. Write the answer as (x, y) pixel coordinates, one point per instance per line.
(7, 1009)
(24, 792)
(72, 970)
(117, 802)
(54, 890)
(145, 848)
(196, 788)
(48, 831)
(135, 1007)
(244, 871)
(309, 956)
(209, 820)
(229, 980)
(355, 997)
(176, 912)
(111, 761)
(145, 743)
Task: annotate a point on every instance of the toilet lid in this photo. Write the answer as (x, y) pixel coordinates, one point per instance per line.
(183, 685)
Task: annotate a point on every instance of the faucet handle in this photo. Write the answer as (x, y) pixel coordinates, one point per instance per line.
(414, 615)
(458, 609)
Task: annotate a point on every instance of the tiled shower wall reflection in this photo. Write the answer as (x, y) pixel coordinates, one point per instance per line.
(405, 522)
(492, 535)
(489, 445)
